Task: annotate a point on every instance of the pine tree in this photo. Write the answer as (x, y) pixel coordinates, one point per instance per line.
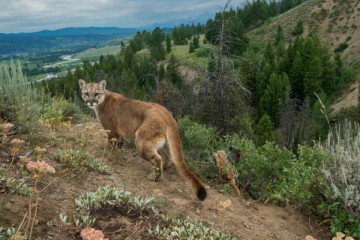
(211, 63)
(274, 96)
(269, 54)
(172, 72)
(128, 57)
(157, 49)
(299, 28)
(297, 77)
(264, 130)
(161, 73)
(191, 47)
(279, 35)
(196, 42)
(313, 78)
(262, 80)
(168, 44)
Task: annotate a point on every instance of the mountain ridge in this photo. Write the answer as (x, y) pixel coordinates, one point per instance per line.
(76, 31)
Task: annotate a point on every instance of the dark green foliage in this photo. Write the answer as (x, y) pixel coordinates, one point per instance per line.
(279, 35)
(251, 15)
(269, 54)
(199, 140)
(161, 71)
(264, 130)
(196, 42)
(191, 47)
(129, 54)
(262, 80)
(234, 31)
(342, 220)
(168, 44)
(274, 97)
(172, 73)
(296, 74)
(156, 46)
(181, 34)
(299, 28)
(203, 52)
(274, 174)
(286, 5)
(341, 47)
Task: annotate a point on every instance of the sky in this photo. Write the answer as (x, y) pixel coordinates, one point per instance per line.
(35, 15)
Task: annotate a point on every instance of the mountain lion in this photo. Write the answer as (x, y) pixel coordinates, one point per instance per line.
(151, 125)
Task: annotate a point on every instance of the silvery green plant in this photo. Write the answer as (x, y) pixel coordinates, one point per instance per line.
(13, 185)
(189, 229)
(21, 96)
(104, 196)
(141, 202)
(79, 161)
(342, 171)
(7, 233)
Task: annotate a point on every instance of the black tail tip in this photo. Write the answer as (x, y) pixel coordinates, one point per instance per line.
(201, 193)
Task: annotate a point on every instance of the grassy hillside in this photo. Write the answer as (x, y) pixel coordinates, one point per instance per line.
(335, 22)
(95, 53)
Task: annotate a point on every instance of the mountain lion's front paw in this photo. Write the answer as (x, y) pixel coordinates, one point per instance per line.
(155, 175)
(118, 143)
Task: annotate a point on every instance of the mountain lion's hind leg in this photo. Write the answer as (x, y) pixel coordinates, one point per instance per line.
(165, 155)
(149, 151)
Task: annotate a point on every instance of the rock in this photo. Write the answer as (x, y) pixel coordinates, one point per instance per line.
(83, 212)
(197, 210)
(7, 206)
(15, 210)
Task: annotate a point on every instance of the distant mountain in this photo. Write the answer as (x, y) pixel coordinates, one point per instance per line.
(175, 22)
(70, 39)
(75, 38)
(77, 31)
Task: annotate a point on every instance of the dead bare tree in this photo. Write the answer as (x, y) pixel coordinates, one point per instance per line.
(221, 92)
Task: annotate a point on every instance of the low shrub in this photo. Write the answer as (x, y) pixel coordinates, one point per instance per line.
(342, 173)
(61, 110)
(203, 52)
(189, 229)
(79, 161)
(20, 97)
(199, 141)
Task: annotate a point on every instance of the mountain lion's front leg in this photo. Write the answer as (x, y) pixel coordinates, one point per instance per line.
(115, 140)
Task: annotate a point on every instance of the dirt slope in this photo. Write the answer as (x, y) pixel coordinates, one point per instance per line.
(245, 218)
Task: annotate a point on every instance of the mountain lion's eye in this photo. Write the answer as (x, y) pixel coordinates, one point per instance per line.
(86, 94)
(97, 94)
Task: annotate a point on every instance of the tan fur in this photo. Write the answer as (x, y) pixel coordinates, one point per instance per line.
(228, 173)
(151, 126)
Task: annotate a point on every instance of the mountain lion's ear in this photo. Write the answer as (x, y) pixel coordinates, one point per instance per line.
(103, 84)
(81, 83)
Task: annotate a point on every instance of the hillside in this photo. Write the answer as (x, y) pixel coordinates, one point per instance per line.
(69, 39)
(337, 25)
(67, 144)
(334, 22)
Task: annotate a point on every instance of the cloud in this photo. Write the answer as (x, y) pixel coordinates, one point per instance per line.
(35, 15)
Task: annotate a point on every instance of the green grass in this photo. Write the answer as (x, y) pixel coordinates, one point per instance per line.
(95, 53)
(181, 52)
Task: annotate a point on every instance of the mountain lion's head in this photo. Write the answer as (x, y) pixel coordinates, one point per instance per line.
(92, 93)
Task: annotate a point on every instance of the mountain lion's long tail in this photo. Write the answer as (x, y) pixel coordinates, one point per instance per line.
(177, 157)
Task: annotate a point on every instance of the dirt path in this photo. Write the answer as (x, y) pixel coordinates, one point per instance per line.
(245, 218)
